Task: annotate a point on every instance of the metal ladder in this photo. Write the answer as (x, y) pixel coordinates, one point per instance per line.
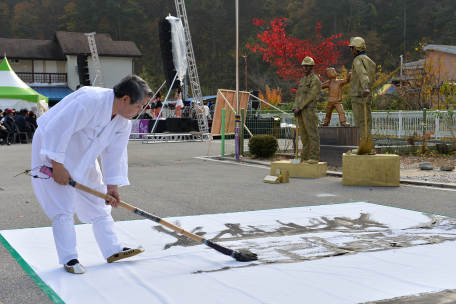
(96, 60)
(192, 71)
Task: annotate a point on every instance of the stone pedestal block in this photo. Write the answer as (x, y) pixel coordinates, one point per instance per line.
(300, 170)
(340, 136)
(333, 154)
(381, 170)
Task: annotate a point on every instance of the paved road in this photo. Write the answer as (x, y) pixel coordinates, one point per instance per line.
(170, 180)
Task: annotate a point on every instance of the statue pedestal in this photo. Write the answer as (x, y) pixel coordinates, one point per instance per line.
(300, 170)
(339, 136)
(334, 141)
(381, 170)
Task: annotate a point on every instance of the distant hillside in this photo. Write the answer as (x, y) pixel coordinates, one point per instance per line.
(212, 25)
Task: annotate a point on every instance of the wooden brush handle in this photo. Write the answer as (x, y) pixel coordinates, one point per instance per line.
(243, 256)
(104, 196)
(137, 211)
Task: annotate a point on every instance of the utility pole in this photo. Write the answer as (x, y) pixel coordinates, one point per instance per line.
(237, 57)
(237, 123)
(405, 19)
(245, 57)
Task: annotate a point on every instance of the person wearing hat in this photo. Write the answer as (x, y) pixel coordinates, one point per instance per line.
(9, 117)
(305, 110)
(362, 78)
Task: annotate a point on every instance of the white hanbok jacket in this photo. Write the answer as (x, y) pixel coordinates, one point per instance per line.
(79, 129)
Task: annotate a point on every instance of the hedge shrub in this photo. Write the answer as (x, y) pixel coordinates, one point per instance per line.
(263, 145)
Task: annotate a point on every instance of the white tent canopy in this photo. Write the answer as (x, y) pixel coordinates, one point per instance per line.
(15, 94)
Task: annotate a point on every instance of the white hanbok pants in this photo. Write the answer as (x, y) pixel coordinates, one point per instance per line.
(61, 202)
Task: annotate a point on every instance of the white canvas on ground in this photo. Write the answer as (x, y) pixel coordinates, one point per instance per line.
(342, 253)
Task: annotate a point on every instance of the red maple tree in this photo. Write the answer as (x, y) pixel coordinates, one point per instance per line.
(286, 52)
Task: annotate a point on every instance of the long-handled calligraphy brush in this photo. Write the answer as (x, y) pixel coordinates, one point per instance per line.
(242, 255)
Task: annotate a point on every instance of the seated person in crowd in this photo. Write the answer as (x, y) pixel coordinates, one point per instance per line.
(8, 116)
(21, 122)
(31, 119)
(2, 118)
(3, 132)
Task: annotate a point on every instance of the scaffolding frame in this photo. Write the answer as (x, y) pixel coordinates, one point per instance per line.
(148, 138)
(96, 60)
(197, 103)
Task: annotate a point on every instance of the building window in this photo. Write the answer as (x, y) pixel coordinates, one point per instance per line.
(14, 61)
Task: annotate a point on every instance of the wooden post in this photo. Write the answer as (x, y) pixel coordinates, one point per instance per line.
(223, 133)
(241, 135)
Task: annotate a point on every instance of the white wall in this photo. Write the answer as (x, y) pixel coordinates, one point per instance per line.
(41, 66)
(50, 66)
(22, 66)
(114, 69)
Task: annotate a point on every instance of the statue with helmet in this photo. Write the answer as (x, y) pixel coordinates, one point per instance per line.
(305, 111)
(362, 78)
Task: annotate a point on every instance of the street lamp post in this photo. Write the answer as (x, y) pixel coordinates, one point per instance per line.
(237, 57)
(245, 57)
(237, 122)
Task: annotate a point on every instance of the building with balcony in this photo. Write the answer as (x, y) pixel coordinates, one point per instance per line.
(439, 59)
(50, 68)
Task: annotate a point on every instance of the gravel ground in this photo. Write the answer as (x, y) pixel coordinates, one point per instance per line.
(410, 169)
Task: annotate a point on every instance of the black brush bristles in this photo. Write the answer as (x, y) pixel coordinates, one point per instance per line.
(244, 255)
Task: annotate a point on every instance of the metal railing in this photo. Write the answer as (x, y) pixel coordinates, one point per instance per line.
(404, 124)
(43, 77)
(398, 124)
(279, 125)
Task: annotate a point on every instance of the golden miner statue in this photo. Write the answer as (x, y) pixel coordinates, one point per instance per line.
(362, 78)
(305, 110)
(335, 97)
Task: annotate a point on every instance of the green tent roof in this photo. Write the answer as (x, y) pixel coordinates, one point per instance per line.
(12, 87)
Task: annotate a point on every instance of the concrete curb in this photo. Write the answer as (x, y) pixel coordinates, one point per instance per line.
(339, 174)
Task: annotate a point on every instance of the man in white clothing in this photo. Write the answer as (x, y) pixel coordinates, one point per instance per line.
(88, 123)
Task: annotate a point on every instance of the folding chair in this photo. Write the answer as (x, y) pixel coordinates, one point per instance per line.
(10, 131)
(18, 133)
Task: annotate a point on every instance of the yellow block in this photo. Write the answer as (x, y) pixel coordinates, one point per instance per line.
(300, 170)
(271, 179)
(381, 170)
